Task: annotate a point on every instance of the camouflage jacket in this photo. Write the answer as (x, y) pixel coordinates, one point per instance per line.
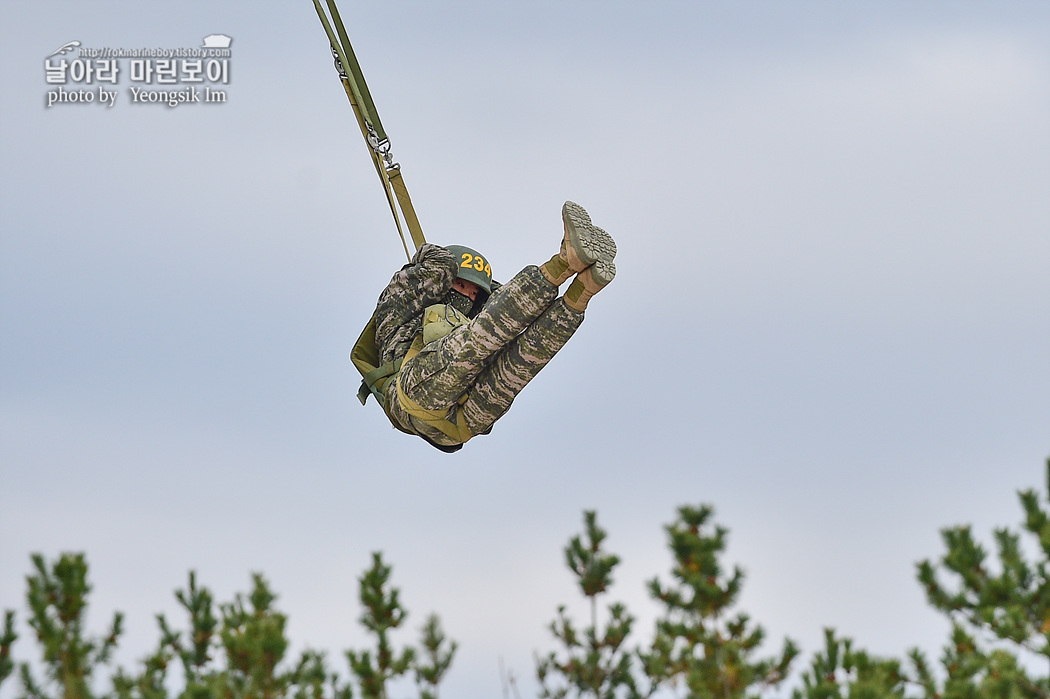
(425, 280)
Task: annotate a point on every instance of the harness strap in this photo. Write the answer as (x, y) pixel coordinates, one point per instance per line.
(374, 382)
(405, 201)
(436, 418)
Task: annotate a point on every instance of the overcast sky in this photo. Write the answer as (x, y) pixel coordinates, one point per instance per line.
(831, 319)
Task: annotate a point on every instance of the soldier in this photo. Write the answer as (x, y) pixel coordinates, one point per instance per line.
(460, 347)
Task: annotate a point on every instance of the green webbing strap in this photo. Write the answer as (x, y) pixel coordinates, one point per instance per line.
(353, 69)
(363, 392)
(371, 127)
(398, 183)
(370, 383)
(341, 45)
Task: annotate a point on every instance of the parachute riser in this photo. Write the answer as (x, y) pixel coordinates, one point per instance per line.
(353, 81)
(379, 144)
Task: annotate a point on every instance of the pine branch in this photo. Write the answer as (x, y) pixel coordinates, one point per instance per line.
(696, 640)
(437, 658)
(592, 661)
(57, 597)
(382, 613)
(7, 639)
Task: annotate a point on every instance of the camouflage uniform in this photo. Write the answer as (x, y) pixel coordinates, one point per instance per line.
(520, 328)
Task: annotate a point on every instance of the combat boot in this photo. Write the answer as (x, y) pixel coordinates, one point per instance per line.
(588, 283)
(582, 245)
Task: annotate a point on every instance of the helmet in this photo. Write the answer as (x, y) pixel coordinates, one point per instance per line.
(471, 266)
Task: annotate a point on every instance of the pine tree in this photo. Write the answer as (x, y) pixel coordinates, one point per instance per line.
(437, 655)
(7, 639)
(1000, 611)
(311, 679)
(696, 641)
(595, 662)
(1011, 606)
(195, 656)
(149, 684)
(254, 642)
(57, 600)
(199, 605)
(383, 613)
(194, 649)
(240, 655)
(841, 671)
(972, 673)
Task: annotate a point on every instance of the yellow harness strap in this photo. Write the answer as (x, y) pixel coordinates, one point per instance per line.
(435, 418)
(397, 182)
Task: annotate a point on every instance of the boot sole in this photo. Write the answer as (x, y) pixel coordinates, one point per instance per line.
(603, 272)
(590, 242)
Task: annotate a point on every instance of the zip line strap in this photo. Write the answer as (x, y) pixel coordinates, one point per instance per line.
(384, 179)
(409, 212)
(389, 172)
(387, 189)
(340, 54)
(353, 68)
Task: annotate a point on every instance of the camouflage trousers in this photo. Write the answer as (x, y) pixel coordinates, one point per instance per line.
(491, 358)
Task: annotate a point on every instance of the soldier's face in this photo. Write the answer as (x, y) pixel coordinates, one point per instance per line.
(468, 289)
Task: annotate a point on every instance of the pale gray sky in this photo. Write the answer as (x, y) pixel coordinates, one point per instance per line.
(830, 320)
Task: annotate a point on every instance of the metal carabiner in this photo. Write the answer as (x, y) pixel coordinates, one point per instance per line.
(339, 65)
